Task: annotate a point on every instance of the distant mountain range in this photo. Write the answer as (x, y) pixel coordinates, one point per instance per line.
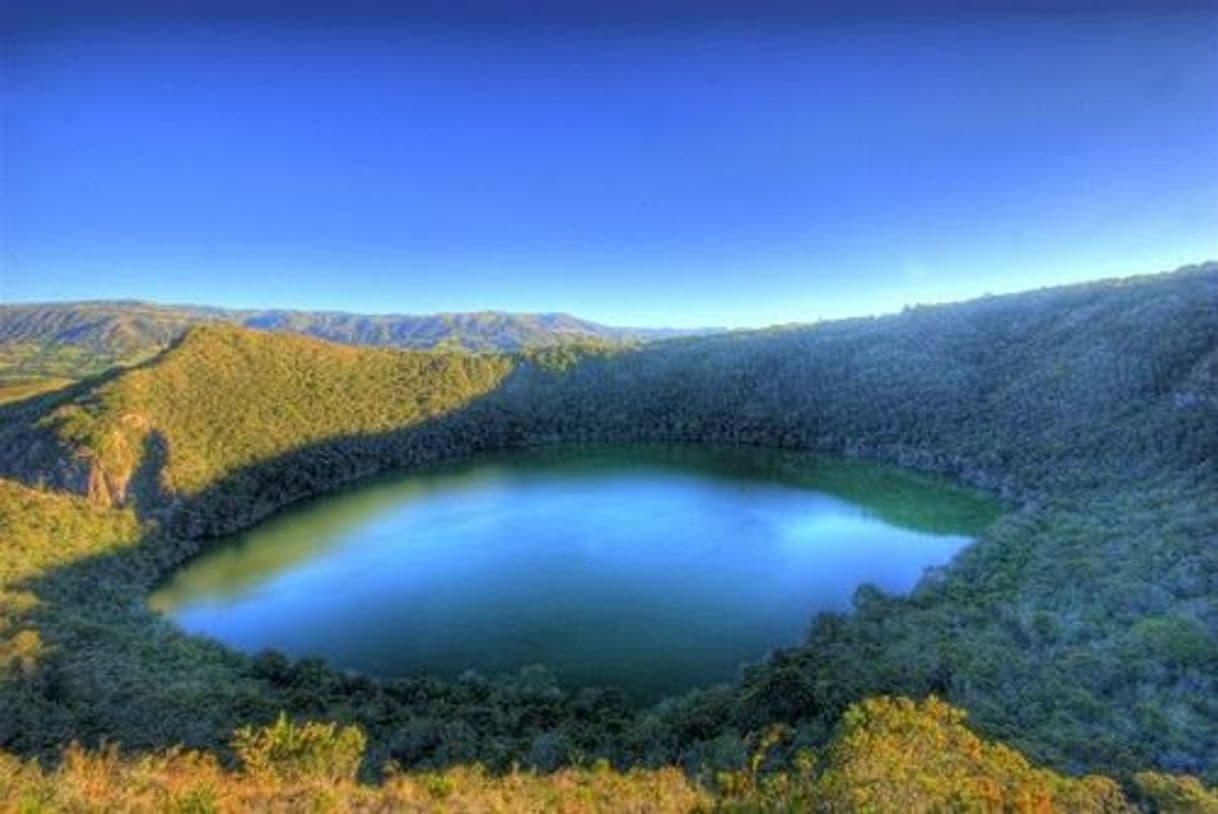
(80, 338)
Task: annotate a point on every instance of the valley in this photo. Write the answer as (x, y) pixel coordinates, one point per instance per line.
(1079, 627)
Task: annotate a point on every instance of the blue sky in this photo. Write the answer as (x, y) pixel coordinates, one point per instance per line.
(744, 167)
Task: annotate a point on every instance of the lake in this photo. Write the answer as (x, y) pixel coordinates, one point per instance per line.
(651, 568)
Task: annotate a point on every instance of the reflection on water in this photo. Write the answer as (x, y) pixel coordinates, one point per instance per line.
(652, 568)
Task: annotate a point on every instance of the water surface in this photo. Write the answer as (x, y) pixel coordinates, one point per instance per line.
(651, 568)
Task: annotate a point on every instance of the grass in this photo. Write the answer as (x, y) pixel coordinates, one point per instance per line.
(888, 755)
(21, 389)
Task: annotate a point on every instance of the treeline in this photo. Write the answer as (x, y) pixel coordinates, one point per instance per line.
(1082, 627)
(1048, 393)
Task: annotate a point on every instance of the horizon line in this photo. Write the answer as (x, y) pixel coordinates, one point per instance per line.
(1197, 266)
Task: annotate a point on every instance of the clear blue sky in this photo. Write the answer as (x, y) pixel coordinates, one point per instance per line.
(635, 163)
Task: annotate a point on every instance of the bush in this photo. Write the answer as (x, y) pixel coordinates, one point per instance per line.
(288, 751)
(1175, 794)
(894, 754)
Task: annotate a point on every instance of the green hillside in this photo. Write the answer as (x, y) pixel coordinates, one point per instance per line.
(74, 340)
(1081, 628)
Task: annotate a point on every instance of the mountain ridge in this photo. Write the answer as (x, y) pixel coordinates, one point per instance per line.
(71, 340)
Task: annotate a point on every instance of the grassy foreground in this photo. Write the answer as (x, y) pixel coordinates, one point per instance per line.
(889, 755)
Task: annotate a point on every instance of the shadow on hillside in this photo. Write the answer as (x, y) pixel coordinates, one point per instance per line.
(41, 402)
(995, 395)
(30, 452)
(112, 670)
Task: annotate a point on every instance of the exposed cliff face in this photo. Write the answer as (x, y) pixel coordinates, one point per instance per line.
(113, 465)
(37, 455)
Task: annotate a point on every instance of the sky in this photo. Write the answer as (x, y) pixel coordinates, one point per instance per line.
(639, 163)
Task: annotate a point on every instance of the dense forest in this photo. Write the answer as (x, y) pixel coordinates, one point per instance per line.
(1080, 629)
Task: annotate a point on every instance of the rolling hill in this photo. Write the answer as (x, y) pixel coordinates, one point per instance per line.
(73, 340)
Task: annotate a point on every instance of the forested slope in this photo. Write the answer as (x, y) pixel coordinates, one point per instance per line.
(1082, 627)
(1051, 392)
(225, 399)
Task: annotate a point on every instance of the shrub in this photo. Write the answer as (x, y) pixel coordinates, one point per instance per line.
(894, 754)
(288, 751)
(1175, 794)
